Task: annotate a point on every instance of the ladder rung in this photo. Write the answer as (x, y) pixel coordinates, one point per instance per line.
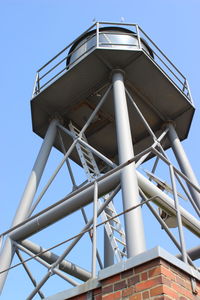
(119, 231)
(74, 128)
(86, 153)
(92, 170)
(121, 242)
(85, 149)
(110, 209)
(89, 162)
(113, 220)
(113, 226)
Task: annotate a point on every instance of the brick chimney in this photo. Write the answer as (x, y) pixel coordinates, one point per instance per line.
(155, 275)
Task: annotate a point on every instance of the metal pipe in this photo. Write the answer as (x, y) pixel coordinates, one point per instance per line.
(75, 241)
(75, 187)
(90, 236)
(97, 34)
(95, 111)
(72, 204)
(159, 139)
(161, 52)
(67, 160)
(134, 230)
(69, 45)
(46, 265)
(50, 258)
(183, 162)
(177, 171)
(36, 173)
(28, 195)
(39, 285)
(94, 235)
(141, 116)
(6, 256)
(29, 274)
(163, 225)
(194, 253)
(138, 36)
(108, 251)
(188, 195)
(96, 152)
(54, 175)
(178, 214)
(167, 203)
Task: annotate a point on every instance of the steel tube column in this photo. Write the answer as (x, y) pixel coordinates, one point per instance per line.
(28, 195)
(183, 162)
(36, 173)
(135, 240)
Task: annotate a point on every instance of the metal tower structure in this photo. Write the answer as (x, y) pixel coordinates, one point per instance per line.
(111, 101)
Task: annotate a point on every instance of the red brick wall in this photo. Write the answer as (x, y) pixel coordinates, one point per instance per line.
(156, 280)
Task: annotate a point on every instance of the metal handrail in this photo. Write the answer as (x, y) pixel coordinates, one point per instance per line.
(162, 59)
(161, 52)
(183, 83)
(64, 59)
(69, 45)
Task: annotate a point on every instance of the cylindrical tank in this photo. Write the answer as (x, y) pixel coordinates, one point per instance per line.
(109, 37)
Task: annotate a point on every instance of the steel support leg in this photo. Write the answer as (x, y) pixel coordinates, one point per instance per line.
(183, 162)
(135, 239)
(108, 251)
(28, 195)
(36, 173)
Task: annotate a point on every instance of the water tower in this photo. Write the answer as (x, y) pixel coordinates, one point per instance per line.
(111, 101)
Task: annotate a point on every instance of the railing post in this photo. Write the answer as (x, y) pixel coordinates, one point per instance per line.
(94, 236)
(138, 36)
(97, 33)
(35, 85)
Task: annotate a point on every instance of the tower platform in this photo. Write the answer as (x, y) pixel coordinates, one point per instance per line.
(74, 93)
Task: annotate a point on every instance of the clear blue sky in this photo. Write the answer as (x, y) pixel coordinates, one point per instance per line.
(32, 32)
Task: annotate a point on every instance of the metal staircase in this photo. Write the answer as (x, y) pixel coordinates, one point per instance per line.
(113, 228)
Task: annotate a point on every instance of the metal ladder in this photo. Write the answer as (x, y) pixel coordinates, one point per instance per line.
(113, 228)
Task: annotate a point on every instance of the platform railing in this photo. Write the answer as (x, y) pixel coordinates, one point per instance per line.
(60, 63)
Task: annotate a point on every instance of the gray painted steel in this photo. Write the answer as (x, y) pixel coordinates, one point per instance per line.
(148, 87)
(194, 253)
(114, 37)
(167, 203)
(27, 198)
(51, 257)
(135, 240)
(147, 84)
(178, 215)
(36, 173)
(184, 162)
(29, 274)
(74, 203)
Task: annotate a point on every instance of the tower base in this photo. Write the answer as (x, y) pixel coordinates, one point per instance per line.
(154, 274)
